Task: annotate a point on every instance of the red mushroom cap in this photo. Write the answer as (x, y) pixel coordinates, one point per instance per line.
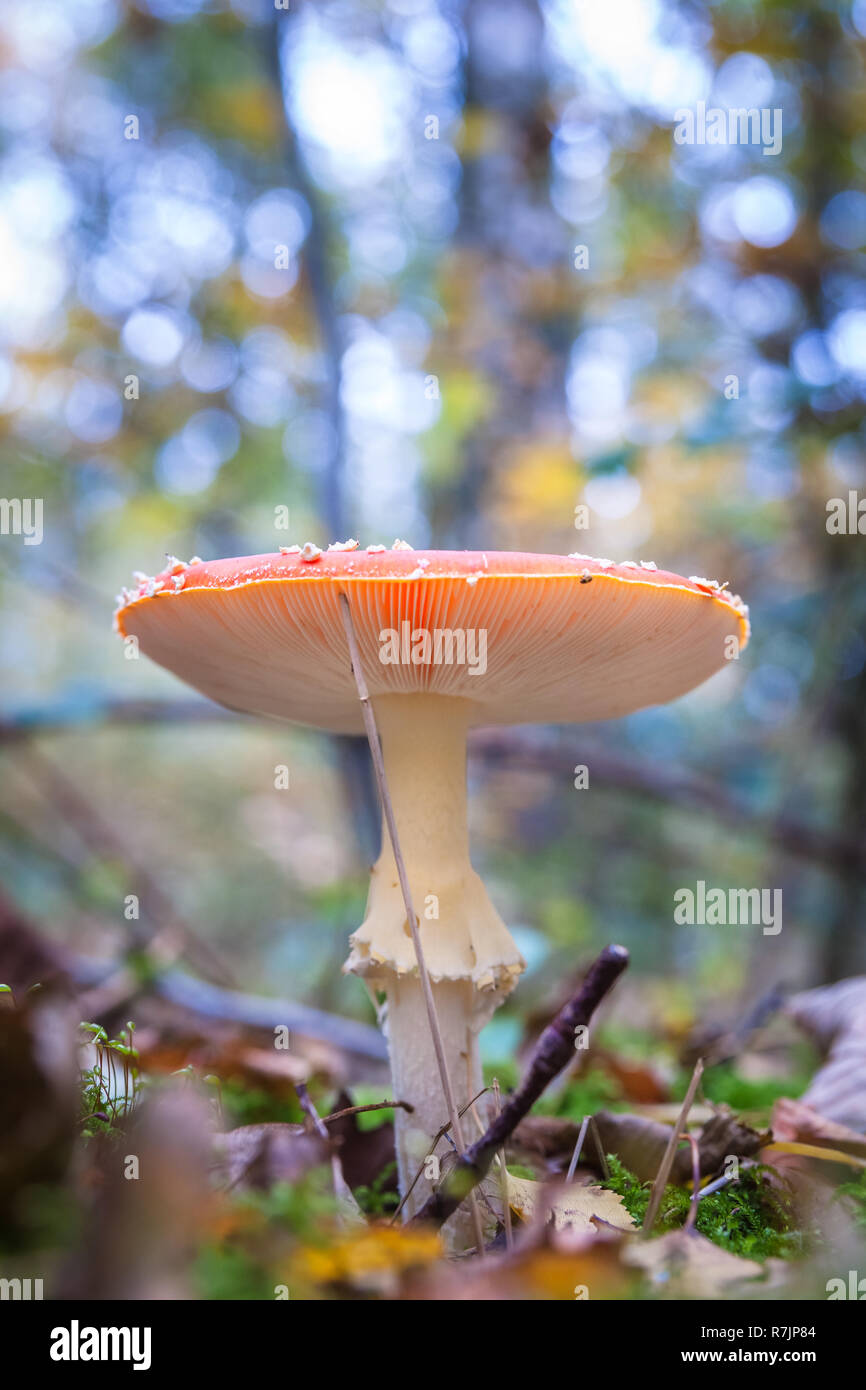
(568, 638)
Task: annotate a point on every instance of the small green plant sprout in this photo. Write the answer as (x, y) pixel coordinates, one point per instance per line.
(855, 1191)
(372, 1199)
(111, 1086)
(215, 1086)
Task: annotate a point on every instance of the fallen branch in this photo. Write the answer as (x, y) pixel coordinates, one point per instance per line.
(554, 1050)
(249, 1010)
(100, 835)
(841, 852)
(364, 1109)
(696, 1179)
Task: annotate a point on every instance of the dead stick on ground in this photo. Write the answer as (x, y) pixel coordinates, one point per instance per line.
(362, 1109)
(391, 823)
(503, 1164)
(100, 837)
(341, 1187)
(577, 1148)
(599, 1148)
(667, 1162)
(696, 1179)
(553, 1051)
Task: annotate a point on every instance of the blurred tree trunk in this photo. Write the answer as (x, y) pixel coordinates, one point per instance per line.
(505, 178)
(827, 53)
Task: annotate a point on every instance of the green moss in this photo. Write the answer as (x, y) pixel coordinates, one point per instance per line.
(856, 1190)
(594, 1090)
(627, 1041)
(635, 1194)
(268, 1226)
(747, 1217)
(520, 1170)
(506, 1072)
(367, 1119)
(245, 1105)
(226, 1273)
(104, 1105)
(302, 1207)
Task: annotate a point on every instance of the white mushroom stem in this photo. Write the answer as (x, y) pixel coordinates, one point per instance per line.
(470, 956)
(415, 1074)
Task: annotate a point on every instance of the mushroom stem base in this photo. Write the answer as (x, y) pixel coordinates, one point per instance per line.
(469, 954)
(415, 1076)
(462, 934)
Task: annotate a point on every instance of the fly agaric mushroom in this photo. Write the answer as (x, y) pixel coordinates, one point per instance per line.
(448, 640)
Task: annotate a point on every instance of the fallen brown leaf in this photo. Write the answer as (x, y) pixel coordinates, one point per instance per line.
(372, 1261)
(547, 1265)
(573, 1206)
(548, 1138)
(721, 1137)
(365, 1154)
(793, 1121)
(684, 1264)
(641, 1082)
(637, 1142)
(257, 1156)
(835, 1018)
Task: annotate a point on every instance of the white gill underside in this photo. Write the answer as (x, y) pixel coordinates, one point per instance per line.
(554, 649)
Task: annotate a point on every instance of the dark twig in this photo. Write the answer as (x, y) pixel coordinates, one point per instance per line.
(842, 853)
(212, 1002)
(730, 1042)
(73, 714)
(101, 836)
(553, 1051)
(363, 1109)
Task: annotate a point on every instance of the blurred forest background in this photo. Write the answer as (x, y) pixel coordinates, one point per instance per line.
(327, 258)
